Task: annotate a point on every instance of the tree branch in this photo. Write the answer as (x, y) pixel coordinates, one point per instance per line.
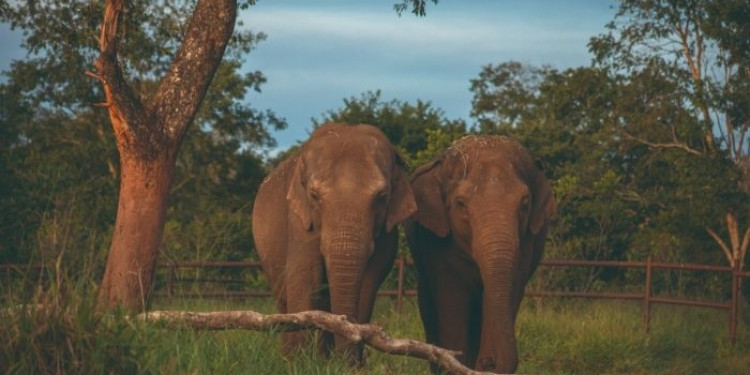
(734, 234)
(741, 143)
(723, 245)
(683, 32)
(370, 334)
(125, 108)
(744, 246)
(675, 144)
(694, 64)
(182, 90)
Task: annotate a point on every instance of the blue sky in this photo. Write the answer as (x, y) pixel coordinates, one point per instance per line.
(320, 52)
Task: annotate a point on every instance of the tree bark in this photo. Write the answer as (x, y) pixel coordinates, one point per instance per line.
(138, 232)
(369, 334)
(148, 139)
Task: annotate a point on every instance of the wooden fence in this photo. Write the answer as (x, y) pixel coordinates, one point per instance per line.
(171, 290)
(731, 306)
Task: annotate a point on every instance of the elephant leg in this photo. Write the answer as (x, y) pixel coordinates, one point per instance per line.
(457, 317)
(428, 313)
(378, 267)
(325, 339)
(272, 245)
(278, 287)
(304, 289)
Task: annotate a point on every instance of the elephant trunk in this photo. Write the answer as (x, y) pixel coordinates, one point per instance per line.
(346, 245)
(497, 254)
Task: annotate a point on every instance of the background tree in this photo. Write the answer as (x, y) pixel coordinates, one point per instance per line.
(698, 48)
(408, 126)
(64, 162)
(505, 94)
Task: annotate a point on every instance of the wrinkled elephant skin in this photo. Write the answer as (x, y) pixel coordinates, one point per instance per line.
(476, 238)
(324, 226)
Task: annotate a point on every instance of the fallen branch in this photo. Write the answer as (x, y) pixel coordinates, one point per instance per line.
(370, 334)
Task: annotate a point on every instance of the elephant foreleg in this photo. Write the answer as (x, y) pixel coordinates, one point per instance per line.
(304, 291)
(451, 315)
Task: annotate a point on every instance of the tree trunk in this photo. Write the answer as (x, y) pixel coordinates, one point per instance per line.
(148, 139)
(138, 232)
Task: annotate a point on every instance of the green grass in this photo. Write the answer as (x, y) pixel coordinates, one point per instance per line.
(560, 337)
(607, 337)
(260, 351)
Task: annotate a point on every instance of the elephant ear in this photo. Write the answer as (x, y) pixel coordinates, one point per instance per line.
(544, 204)
(299, 204)
(402, 203)
(428, 189)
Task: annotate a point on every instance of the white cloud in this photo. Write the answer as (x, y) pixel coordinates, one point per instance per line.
(434, 35)
(318, 54)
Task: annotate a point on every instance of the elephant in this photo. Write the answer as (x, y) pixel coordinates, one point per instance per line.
(324, 223)
(484, 207)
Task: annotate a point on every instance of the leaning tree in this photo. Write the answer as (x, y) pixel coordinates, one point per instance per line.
(149, 131)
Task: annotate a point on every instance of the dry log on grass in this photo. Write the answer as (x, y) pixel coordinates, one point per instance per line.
(370, 334)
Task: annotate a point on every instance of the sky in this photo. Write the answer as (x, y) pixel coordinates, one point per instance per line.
(320, 52)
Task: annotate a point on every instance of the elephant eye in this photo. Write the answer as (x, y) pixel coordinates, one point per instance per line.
(461, 203)
(380, 197)
(315, 195)
(525, 204)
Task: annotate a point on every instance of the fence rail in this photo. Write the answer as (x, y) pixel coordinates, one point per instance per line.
(646, 297)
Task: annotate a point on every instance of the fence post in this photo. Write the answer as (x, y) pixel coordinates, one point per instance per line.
(735, 303)
(647, 296)
(170, 281)
(539, 289)
(400, 291)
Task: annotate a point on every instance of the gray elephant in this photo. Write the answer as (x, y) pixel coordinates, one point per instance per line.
(324, 224)
(476, 239)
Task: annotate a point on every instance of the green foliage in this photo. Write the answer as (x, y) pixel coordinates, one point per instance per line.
(505, 94)
(438, 140)
(58, 156)
(683, 111)
(408, 126)
(700, 46)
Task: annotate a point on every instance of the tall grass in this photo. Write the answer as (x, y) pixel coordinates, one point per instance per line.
(67, 336)
(58, 331)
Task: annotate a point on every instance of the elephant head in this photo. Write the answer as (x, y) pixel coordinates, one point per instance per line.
(348, 189)
(487, 196)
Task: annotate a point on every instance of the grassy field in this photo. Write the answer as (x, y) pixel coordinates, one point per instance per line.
(560, 337)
